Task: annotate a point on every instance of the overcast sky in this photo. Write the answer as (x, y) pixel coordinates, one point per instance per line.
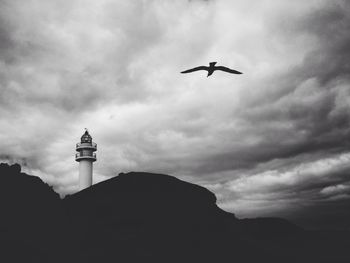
(273, 141)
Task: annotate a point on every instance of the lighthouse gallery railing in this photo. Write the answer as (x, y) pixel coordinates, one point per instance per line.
(82, 154)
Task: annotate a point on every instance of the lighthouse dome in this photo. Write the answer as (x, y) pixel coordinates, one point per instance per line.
(86, 138)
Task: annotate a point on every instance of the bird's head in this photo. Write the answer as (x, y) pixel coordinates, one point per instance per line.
(212, 64)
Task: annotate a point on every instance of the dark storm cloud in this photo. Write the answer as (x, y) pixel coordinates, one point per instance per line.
(331, 27)
(311, 99)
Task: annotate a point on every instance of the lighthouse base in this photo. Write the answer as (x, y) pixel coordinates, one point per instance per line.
(85, 174)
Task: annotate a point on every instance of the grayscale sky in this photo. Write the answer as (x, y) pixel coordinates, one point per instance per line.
(273, 141)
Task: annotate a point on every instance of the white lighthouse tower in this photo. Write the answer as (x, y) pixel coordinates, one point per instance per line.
(85, 156)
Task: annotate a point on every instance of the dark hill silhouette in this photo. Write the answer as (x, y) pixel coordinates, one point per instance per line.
(271, 227)
(143, 217)
(163, 218)
(32, 221)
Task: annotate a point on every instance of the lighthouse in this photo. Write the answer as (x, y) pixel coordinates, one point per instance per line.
(85, 156)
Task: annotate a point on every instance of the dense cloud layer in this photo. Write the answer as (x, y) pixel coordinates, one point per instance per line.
(269, 142)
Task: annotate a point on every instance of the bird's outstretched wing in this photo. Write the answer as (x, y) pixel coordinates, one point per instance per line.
(195, 69)
(228, 70)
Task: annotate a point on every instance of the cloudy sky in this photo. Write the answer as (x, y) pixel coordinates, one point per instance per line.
(272, 142)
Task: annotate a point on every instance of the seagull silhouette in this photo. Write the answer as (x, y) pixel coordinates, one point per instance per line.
(212, 68)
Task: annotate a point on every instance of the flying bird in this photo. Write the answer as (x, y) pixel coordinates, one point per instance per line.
(212, 68)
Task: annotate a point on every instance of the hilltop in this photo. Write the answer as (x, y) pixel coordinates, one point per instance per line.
(142, 217)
